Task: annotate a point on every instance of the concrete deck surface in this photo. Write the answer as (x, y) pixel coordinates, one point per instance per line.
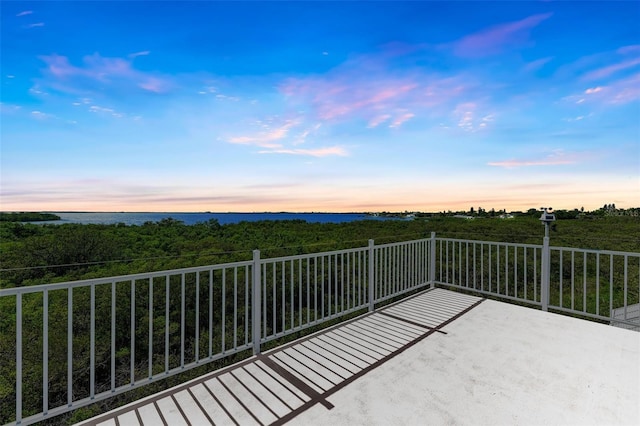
(497, 364)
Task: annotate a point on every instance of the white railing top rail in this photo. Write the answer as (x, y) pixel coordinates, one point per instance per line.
(401, 243)
(119, 278)
(312, 255)
(597, 251)
(502, 243)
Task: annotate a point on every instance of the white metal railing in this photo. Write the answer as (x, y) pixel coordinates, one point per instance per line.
(583, 282)
(595, 283)
(507, 270)
(120, 333)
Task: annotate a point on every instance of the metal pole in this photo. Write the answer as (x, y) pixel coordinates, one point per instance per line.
(546, 273)
(19, 358)
(255, 303)
(371, 277)
(432, 260)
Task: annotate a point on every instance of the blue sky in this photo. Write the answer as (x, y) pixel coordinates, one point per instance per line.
(319, 106)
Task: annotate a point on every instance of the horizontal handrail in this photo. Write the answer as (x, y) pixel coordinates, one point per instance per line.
(118, 278)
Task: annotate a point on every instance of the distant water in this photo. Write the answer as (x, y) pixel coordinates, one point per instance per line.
(193, 218)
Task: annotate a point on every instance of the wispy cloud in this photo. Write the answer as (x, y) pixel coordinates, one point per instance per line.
(37, 90)
(625, 90)
(207, 90)
(141, 53)
(41, 115)
(497, 38)
(337, 96)
(106, 111)
(609, 70)
(25, 13)
(578, 118)
(319, 152)
(36, 25)
(97, 71)
(281, 139)
(9, 108)
(365, 88)
(618, 92)
(556, 158)
(468, 119)
(534, 66)
(266, 138)
(379, 119)
(399, 120)
(603, 67)
(302, 137)
(634, 48)
(154, 84)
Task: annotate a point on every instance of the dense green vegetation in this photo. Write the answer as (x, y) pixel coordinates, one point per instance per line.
(38, 254)
(27, 217)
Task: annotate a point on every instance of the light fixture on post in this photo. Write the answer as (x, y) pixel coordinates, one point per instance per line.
(546, 218)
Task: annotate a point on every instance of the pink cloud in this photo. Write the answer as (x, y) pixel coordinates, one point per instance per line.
(629, 49)
(607, 71)
(468, 119)
(398, 121)
(495, 39)
(619, 92)
(319, 152)
(556, 158)
(153, 84)
(104, 70)
(266, 138)
(625, 90)
(278, 140)
(349, 92)
(372, 89)
(376, 121)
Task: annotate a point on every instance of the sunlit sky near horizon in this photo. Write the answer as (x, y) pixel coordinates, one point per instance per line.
(319, 106)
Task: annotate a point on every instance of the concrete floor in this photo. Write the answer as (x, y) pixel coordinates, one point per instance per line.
(497, 364)
(500, 364)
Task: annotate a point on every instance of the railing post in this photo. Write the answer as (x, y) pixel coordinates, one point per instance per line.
(19, 358)
(432, 260)
(372, 281)
(256, 303)
(545, 274)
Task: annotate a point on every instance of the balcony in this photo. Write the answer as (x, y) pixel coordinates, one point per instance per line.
(424, 338)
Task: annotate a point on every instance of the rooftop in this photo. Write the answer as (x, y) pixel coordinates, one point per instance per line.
(439, 357)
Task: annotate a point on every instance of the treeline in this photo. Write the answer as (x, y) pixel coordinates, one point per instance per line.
(575, 213)
(27, 217)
